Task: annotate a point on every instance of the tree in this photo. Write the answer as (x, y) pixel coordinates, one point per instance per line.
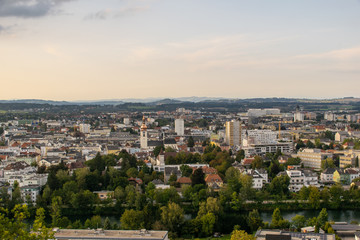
(254, 220)
(241, 235)
(132, 220)
(314, 197)
(322, 218)
(198, 177)
(39, 228)
(257, 163)
(172, 216)
(158, 149)
(278, 221)
(279, 186)
(240, 155)
(191, 142)
(186, 171)
(107, 224)
(207, 222)
(56, 203)
(298, 222)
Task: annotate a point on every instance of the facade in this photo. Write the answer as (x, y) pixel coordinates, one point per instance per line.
(259, 137)
(348, 160)
(262, 149)
(179, 126)
(341, 136)
(300, 178)
(233, 133)
(327, 175)
(84, 128)
(312, 157)
(299, 117)
(263, 112)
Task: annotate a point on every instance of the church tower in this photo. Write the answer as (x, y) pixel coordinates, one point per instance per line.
(143, 135)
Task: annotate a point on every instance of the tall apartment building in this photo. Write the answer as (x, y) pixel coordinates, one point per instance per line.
(233, 133)
(179, 126)
(84, 128)
(313, 157)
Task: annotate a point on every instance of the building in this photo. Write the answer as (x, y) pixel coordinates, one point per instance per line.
(313, 157)
(327, 176)
(274, 234)
(233, 133)
(301, 178)
(259, 137)
(179, 126)
(143, 135)
(299, 116)
(262, 149)
(84, 128)
(263, 112)
(329, 116)
(99, 234)
(348, 160)
(341, 136)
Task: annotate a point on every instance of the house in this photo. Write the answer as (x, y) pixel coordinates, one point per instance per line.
(341, 176)
(327, 176)
(184, 181)
(213, 179)
(353, 173)
(170, 171)
(259, 177)
(135, 181)
(341, 136)
(209, 170)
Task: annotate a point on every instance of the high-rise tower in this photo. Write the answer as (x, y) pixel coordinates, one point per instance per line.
(233, 133)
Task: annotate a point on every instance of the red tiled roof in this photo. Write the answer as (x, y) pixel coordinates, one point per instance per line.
(184, 180)
(213, 178)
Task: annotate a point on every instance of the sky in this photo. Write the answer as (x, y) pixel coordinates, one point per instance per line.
(116, 49)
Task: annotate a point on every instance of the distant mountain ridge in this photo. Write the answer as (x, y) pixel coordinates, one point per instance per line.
(162, 101)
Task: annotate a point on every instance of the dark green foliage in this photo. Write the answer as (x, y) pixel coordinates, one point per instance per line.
(198, 177)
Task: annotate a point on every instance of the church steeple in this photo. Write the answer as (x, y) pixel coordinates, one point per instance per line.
(143, 135)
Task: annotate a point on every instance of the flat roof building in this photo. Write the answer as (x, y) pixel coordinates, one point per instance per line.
(100, 234)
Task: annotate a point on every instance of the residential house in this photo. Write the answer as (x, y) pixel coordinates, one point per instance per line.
(327, 176)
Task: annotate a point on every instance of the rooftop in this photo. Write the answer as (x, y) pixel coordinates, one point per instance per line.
(109, 234)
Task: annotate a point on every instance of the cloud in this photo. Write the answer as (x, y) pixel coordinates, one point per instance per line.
(108, 13)
(28, 8)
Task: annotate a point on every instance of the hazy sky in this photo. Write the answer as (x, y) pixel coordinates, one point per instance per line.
(112, 49)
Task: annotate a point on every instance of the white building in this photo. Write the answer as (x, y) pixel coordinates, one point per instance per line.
(301, 178)
(313, 157)
(259, 137)
(330, 116)
(84, 128)
(299, 117)
(263, 112)
(179, 126)
(127, 121)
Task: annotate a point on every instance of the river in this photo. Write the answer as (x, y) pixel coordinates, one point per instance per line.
(334, 215)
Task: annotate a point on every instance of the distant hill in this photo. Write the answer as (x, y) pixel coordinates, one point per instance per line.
(167, 101)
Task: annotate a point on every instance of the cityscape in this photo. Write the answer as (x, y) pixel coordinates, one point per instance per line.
(179, 120)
